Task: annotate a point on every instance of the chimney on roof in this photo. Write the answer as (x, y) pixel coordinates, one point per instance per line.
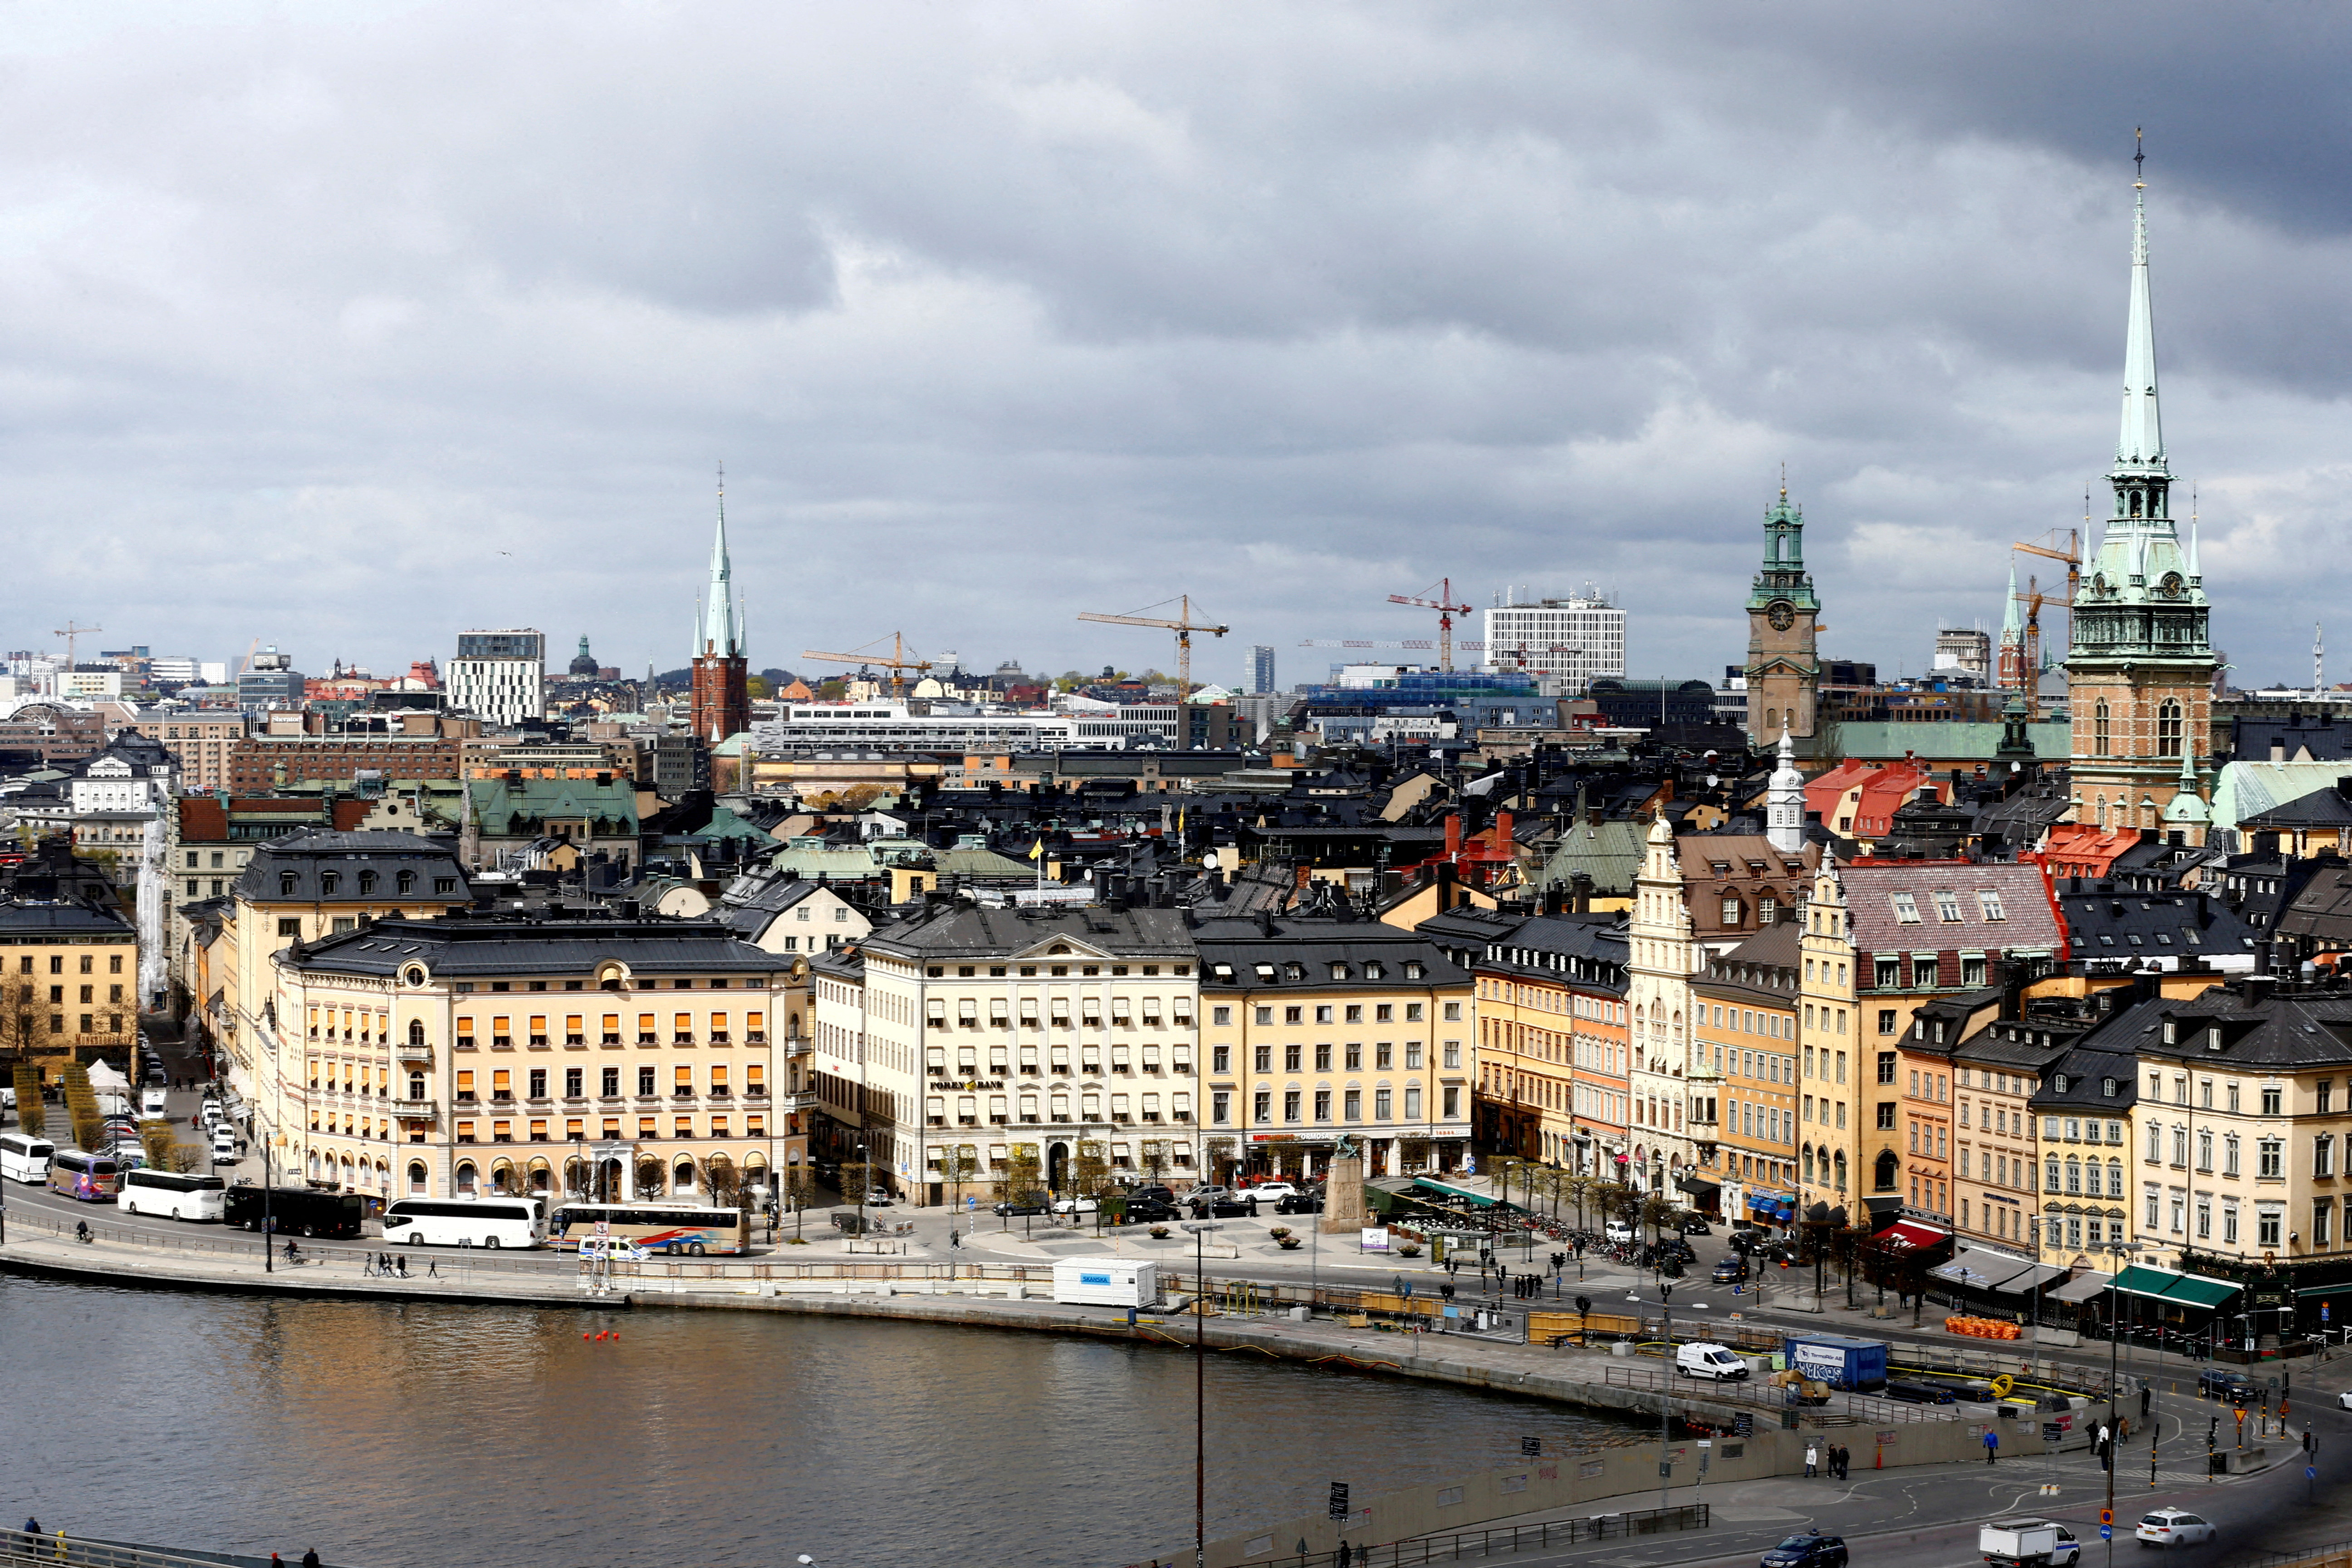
(1503, 831)
(1453, 834)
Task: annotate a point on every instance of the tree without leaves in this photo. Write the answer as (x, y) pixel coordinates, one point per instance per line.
(958, 1163)
(1018, 1176)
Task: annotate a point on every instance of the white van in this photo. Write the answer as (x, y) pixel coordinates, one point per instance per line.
(224, 1145)
(150, 1104)
(24, 1157)
(1700, 1359)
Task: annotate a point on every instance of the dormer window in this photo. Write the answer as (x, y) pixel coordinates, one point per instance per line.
(327, 882)
(1906, 908)
(2058, 1083)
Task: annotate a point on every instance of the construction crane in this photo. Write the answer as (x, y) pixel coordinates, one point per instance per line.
(897, 664)
(1183, 626)
(1446, 610)
(2070, 554)
(71, 631)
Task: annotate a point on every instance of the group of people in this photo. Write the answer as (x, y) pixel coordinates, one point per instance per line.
(386, 1265)
(1838, 1456)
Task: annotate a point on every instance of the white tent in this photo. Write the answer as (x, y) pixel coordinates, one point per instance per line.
(104, 1079)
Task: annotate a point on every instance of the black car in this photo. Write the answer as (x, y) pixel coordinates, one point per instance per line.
(1231, 1209)
(1695, 1225)
(2233, 1386)
(1810, 1551)
(1015, 1207)
(1150, 1211)
(1730, 1271)
(1911, 1392)
(1300, 1203)
(1152, 1193)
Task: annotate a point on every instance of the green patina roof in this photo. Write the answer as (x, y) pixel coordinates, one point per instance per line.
(505, 809)
(1609, 852)
(1959, 740)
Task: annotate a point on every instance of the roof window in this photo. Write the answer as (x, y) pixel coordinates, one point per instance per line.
(1906, 908)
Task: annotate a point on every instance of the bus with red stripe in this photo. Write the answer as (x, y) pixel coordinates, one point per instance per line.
(687, 1229)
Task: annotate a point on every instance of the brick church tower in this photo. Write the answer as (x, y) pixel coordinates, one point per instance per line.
(721, 692)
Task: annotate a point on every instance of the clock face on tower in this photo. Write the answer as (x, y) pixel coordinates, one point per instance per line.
(1781, 614)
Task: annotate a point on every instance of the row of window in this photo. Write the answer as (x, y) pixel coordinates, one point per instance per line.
(87, 964)
(2270, 1218)
(1090, 1013)
(1948, 906)
(2269, 1153)
(574, 1128)
(535, 1081)
(682, 1030)
(2273, 1096)
(331, 884)
(1295, 1106)
(1089, 1108)
(1090, 1059)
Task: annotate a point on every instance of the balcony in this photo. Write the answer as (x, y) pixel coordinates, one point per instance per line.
(416, 1110)
(407, 1053)
(799, 1046)
(798, 1100)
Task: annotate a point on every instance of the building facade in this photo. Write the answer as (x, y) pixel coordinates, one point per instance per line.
(956, 1048)
(1662, 954)
(1569, 640)
(1320, 1029)
(203, 744)
(719, 696)
(1744, 1010)
(434, 1057)
(500, 675)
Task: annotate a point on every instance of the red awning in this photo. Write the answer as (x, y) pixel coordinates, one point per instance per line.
(1911, 1233)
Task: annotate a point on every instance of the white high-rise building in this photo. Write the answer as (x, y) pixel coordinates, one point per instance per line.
(500, 675)
(1569, 639)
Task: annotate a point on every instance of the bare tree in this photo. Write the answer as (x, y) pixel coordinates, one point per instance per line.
(958, 1163)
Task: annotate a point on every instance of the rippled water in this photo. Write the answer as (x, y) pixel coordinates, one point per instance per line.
(408, 1434)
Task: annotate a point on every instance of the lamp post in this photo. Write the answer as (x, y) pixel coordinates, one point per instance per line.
(1199, 1228)
(2116, 1250)
(1666, 1383)
(268, 1230)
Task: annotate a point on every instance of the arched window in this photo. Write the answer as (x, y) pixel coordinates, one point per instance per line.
(2102, 813)
(416, 1031)
(2050, 1176)
(2099, 730)
(2168, 729)
(2115, 1178)
(417, 1178)
(1808, 1162)
(2074, 1175)
(465, 1177)
(1885, 1169)
(1840, 1166)
(1771, 720)
(681, 1178)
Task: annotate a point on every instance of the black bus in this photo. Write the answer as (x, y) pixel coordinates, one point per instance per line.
(296, 1211)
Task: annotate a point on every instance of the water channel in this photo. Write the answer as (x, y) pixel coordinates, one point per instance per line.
(398, 1434)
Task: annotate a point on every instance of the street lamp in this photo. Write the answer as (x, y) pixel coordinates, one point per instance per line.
(1199, 1228)
(2116, 1250)
(1666, 1385)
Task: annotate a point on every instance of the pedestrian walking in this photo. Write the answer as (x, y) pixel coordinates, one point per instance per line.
(310, 1558)
(433, 1268)
(1846, 1462)
(1812, 1457)
(1992, 1444)
(2143, 1391)
(32, 1526)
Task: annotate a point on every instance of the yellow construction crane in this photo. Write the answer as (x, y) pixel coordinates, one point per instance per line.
(1185, 626)
(897, 664)
(2033, 599)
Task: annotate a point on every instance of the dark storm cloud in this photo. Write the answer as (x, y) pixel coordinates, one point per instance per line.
(998, 313)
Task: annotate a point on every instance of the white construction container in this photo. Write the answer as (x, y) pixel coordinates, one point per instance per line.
(1106, 1283)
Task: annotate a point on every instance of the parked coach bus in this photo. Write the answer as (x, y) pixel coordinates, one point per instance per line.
(657, 1227)
(174, 1196)
(296, 1211)
(24, 1157)
(92, 1178)
(466, 1222)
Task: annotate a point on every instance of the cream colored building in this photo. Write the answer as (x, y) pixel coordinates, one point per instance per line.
(1663, 953)
(969, 1034)
(200, 742)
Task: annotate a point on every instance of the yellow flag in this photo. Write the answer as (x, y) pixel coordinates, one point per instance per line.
(1037, 850)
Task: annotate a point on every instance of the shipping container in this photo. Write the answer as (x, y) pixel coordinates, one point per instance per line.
(1852, 1365)
(1106, 1283)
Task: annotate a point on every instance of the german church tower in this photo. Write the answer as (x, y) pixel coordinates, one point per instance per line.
(1784, 670)
(2140, 667)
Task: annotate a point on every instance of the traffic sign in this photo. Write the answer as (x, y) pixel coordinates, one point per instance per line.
(2106, 1516)
(2106, 1532)
(2310, 1472)
(1338, 1499)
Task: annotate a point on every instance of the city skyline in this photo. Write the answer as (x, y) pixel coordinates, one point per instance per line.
(1095, 301)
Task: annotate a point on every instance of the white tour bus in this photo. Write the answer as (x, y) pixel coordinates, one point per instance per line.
(24, 1157)
(466, 1222)
(172, 1195)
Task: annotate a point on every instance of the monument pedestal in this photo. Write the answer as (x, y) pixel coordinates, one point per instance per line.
(1343, 1197)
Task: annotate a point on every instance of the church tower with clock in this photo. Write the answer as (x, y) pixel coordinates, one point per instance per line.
(2140, 667)
(1784, 670)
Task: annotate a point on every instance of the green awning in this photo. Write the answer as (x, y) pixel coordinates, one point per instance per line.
(1447, 1189)
(2342, 1293)
(2180, 1289)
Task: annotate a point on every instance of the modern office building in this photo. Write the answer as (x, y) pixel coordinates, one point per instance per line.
(500, 675)
(1569, 640)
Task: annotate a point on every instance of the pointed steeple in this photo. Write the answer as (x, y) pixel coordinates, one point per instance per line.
(2011, 628)
(721, 637)
(1784, 805)
(2140, 442)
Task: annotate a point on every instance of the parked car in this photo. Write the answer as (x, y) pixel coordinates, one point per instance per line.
(2172, 1527)
(879, 1199)
(1206, 1192)
(1270, 1193)
(1303, 1203)
(1150, 1211)
(1702, 1358)
(1151, 1193)
(2234, 1386)
(1034, 1203)
(1618, 1230)
(1076, 1205)
(2344, 1400)
(1729, 1271)
(1695, 1225)
(1228, 1207)
(224, 1147)
(1810, 1551)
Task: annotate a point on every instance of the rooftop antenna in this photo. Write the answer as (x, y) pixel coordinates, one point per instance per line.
(2140, 158)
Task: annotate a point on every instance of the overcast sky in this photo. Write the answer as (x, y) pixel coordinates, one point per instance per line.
(349, 328)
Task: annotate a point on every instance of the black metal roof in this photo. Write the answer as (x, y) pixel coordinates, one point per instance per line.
(307, 857)
(973, 931)
(36, 920)
(465, 945)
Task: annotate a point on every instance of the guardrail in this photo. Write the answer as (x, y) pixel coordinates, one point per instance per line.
(19, 1550)
(1507, 1540)
(2338, 1554)
(1767, 1396)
